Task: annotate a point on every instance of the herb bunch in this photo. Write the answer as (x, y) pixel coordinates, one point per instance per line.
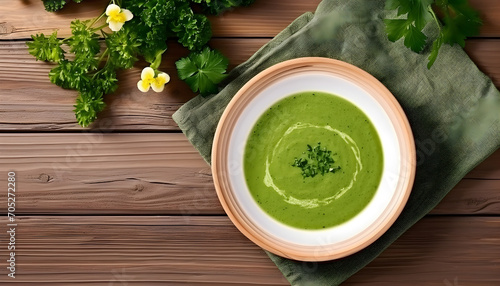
(317, 161)
(457, 22)
(140, 29)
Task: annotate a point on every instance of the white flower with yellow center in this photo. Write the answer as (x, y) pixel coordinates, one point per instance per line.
(117, 17)
(148, 79)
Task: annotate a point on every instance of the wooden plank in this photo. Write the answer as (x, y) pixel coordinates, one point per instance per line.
(265, 18)
(488, 169)
(486, 55)
(472, 197)
(51, 108)
(439, 252)
(210, 250)
(108, 173)
(92, 173)
(145, 249)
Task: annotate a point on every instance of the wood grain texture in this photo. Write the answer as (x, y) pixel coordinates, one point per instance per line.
(210, 250)
(51, 108)
(264, 18)
(92, 173)
(145, 249)
(439, 252)
(108, 173)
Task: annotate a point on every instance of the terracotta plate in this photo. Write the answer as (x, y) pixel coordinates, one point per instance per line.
(344, 80)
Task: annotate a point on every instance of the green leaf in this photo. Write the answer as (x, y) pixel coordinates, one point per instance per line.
(393, 5)
(415, 39)
(53, 5)
(84, 43)
(194, 30)
(155, 64)
(104, 81)
(46, 48)
(409, 28)
(56, 5)
(435, 50)
(151, 22)
(460, 22)
(395, 28)
(69, 75)
(186, 68)
(88, 104)
(202, 71)
(123, 47)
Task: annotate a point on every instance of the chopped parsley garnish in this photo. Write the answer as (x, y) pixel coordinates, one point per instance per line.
(316, 161)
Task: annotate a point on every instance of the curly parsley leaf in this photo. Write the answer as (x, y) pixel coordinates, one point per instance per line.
(69, 74)
(105, 81)
(458, 22)
(150, 22)
(46, 48)
(55, 5)
(202, 71)
(84, 43)
(194, 30)
(123, 47)
(88, 104)
(160, 11)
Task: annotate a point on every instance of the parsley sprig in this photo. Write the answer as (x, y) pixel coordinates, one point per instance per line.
(316, 161)
(458, 21)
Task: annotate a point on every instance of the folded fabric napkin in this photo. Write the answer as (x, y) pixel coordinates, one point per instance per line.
(453, 109)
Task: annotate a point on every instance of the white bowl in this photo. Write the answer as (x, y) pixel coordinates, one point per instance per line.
(322, 75)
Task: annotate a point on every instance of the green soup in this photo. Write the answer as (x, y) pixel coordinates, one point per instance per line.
(313, 160)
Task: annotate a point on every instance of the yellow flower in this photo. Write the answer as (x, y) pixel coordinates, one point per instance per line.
(117, 17)
(148, 79)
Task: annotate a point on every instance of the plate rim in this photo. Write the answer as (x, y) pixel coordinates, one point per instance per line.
(404, 184)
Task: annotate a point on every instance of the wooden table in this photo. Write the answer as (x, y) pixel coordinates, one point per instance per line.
(131, 202)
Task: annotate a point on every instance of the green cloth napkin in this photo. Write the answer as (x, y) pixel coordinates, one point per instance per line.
(453, 109)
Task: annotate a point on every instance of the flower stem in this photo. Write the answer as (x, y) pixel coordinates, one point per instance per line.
(103, 55)
(157, 61)
(65, 40)
(434, 16)
(96, 19)
(99, 28)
